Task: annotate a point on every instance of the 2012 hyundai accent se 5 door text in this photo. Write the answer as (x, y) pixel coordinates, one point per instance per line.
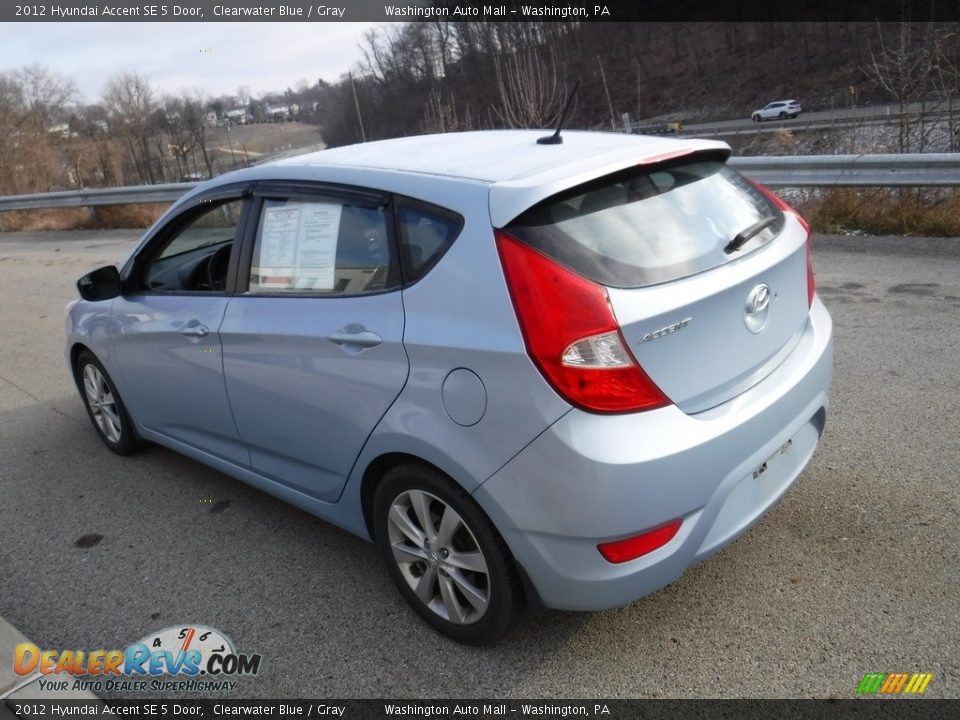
(534, 375)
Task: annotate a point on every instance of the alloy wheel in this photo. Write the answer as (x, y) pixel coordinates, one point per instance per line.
(103, 406)
(439, 557)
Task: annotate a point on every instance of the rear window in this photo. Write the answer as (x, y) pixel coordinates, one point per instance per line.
(649, 225)
(426, 233)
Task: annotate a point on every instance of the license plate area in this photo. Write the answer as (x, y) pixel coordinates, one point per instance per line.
(782, 450)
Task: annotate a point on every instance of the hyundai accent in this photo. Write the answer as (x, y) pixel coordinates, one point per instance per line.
(535, 375)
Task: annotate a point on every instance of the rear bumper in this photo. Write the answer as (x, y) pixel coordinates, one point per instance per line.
(593, 478)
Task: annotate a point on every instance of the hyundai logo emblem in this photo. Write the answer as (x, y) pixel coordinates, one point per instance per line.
(757, 309)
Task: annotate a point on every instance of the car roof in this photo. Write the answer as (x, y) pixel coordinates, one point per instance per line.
(521, 171)
(490, 155)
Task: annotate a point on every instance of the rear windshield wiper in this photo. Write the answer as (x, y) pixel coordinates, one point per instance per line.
(741, 238)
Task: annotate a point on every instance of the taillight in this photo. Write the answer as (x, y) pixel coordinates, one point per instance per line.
(787, 208)
(571, 334)
(631, 548)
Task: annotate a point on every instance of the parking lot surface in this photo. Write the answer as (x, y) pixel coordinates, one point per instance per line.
(856, 570)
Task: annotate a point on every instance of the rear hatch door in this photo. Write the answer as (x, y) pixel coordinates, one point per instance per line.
(705, 274)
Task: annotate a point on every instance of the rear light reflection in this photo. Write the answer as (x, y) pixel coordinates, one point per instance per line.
(631, 548)
(598, 351)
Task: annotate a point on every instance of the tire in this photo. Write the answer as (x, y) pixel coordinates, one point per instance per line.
(104, 406)
(756, 118)
(783, 116)
(468, 585)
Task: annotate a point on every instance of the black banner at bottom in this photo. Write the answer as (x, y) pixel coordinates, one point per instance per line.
(874, 709)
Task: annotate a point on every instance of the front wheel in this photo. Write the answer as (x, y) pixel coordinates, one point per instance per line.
(445, 556)
(783, 116)
(104, 406)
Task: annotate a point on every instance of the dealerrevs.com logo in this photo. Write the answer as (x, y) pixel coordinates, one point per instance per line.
(187, 658)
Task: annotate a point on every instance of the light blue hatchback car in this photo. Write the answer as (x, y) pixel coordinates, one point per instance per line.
(535, 375)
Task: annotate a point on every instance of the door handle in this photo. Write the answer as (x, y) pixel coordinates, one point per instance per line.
(198, 330)
(360, 339)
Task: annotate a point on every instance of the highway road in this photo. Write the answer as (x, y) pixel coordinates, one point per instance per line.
(856, 570)
(813, 119)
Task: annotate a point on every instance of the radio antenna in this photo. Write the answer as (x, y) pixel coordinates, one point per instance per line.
(555, 139)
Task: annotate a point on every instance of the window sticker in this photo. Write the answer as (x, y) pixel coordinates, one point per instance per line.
(298, 247)
(317, 246)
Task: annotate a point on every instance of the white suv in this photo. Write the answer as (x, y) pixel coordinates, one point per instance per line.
(779, 109)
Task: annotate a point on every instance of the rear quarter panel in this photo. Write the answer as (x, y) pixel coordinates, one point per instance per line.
(460, 316)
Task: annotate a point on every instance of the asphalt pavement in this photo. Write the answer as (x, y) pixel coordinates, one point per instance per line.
(856, 570)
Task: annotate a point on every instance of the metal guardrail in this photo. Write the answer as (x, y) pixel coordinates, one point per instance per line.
(917, 170)
(96, 196)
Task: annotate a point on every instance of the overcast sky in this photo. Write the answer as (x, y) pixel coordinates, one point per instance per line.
(217, 57)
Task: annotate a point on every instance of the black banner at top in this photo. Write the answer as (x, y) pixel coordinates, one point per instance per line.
(473, 709)
(505, 11)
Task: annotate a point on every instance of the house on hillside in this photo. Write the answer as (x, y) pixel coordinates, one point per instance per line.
(278, 113)
(237, 116)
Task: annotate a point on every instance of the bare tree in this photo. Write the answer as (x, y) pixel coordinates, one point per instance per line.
(947, 81)
(440, 115)
(33, 101)
(243, 95)
(105, 153)
(531, 89)
(902, 67)
(129, 100)
(195, 120)
(180, 141)
(45, 95)
(11, 113)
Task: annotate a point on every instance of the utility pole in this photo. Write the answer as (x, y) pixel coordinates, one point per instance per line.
(233, 159)
(603, 76)
(356, 104)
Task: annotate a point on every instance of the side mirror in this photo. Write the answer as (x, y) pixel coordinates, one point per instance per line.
(101, 284)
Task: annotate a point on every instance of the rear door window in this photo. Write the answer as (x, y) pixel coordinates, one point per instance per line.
(322, 246)
(649, 225)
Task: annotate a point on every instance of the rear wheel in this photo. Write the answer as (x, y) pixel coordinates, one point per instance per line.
(783, 116)
(445, 556)
(104, 406)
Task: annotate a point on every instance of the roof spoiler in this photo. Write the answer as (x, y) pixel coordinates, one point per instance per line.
(509, 198)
